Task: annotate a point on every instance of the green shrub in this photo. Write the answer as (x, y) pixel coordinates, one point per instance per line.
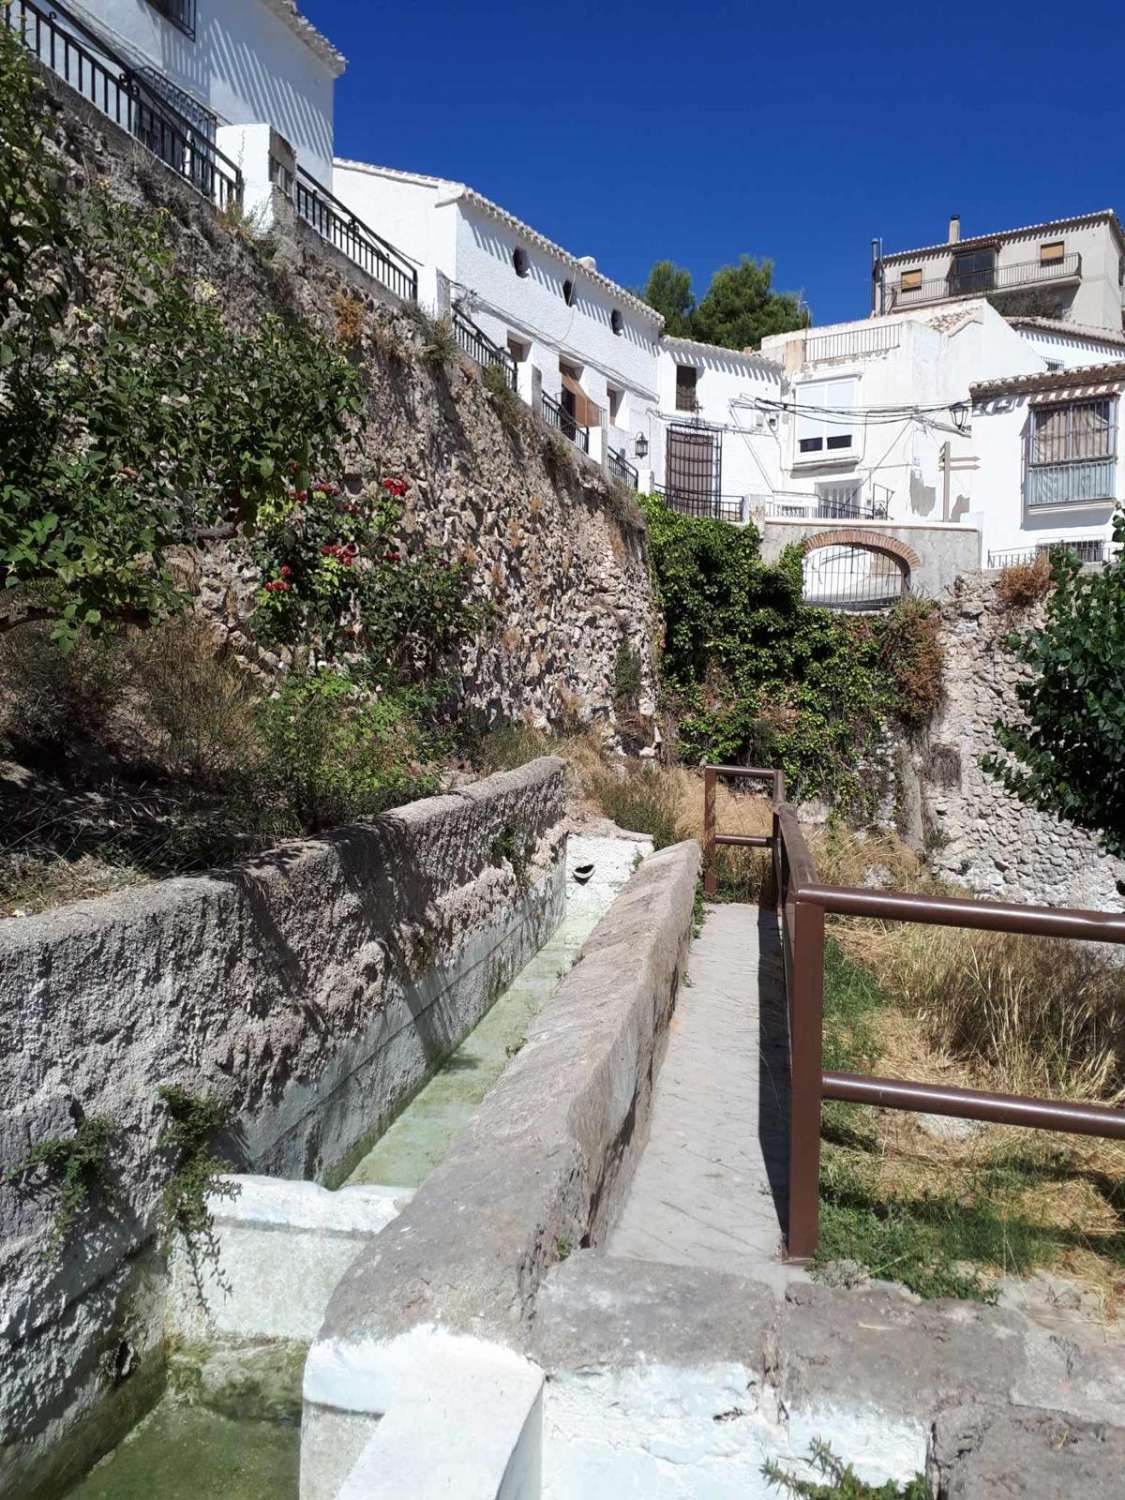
(626, 676)
(336, 755)
(506, 403)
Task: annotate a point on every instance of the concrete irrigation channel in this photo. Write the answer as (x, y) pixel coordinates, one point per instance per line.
(508, 1220)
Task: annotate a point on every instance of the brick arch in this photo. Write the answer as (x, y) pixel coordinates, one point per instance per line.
(875, 540)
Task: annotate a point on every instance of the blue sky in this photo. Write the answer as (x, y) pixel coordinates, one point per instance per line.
(635, 132)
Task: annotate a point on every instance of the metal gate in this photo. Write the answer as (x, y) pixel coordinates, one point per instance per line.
(848, 576)
(694, 469)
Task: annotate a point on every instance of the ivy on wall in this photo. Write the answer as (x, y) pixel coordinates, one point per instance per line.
(752, 676)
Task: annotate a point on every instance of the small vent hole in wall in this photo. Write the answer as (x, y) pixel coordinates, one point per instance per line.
(520, 261)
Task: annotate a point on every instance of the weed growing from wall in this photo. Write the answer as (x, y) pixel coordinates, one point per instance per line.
(196, 1176)
(829, 1478)
(506, 404)
(76, 1167)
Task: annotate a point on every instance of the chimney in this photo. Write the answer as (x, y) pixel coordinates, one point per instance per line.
(954, 229)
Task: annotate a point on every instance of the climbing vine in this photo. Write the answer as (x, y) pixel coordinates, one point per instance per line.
(196, 1175)
(752, 675)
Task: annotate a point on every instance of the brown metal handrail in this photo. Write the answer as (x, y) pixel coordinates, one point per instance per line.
(803, 903)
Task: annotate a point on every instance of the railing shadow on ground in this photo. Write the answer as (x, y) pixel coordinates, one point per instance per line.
(773, 1065)
(802, 904)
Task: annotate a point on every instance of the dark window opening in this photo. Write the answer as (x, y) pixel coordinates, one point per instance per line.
(687, 382)
(840, 440)
(973, 271)
(181, 13)
(811, 445)
(568, 292)
(520, 261)
(617, 322)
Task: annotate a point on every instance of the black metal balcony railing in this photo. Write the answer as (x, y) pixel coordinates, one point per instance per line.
(336, 224)
(479, 347)
(703, 506)
(621, 468)
(557, 416)
(62, 43)
(989, 279)
(1086, 549)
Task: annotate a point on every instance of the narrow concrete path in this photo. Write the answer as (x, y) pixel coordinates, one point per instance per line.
(709, 1187)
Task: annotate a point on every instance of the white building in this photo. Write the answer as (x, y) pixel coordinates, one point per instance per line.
(216, 63)
(716, 447)
(584, 348)
(1067, 269)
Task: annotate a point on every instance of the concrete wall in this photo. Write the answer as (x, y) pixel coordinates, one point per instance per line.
(253, 62)
(933, 556)
(314, 989)
(421, 1343)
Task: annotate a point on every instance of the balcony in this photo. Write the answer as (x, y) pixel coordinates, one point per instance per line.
(1077, 482)
(620, 468)
(1085, 549)
(557, 416)
(339, 227)
(995, 279)
(474, 342)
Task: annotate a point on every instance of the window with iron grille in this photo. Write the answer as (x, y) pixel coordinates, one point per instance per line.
(1072, 451)
(973, 271)
(181, 13)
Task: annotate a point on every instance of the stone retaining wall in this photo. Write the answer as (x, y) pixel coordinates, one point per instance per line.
(314, 989)
(978, 833)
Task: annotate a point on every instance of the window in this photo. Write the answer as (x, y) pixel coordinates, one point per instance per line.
(1054, 364)
(568, 292)
(617, 322)
(518, 349)
(520, 261)
(973, 271)
(1071, 453)
(181, 13)
(911, 281)
(831, 432)
(616, 399)
(1050, 253)
(687, 381)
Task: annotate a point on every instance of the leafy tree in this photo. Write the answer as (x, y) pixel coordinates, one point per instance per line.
(668, 290)
(1067, 757)
(741, 308)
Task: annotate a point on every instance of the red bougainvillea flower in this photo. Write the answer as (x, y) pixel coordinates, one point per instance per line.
(392, 556)
(277, 586)
(301, 496)
(286, 571)
(396, 486)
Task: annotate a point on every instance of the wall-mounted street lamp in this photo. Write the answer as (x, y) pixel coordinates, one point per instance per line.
(640, 447)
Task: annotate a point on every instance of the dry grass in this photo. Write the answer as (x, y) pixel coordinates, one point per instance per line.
(1024, 584)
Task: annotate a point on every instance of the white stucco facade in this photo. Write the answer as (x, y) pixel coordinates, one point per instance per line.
(907, 382)
(726, 386)
(548, 307)
(249, 62)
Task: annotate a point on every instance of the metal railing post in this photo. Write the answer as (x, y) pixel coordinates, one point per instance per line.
(710, 875)
(805, 1075)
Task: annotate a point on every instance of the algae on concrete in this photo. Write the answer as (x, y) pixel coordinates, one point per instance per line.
(417, 1141)
(189, 1453)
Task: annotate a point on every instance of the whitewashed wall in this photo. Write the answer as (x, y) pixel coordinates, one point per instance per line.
(416, 216)
(940, 353)
(246, 64)
(532, 308)
(1071, 349)
(727, 385)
